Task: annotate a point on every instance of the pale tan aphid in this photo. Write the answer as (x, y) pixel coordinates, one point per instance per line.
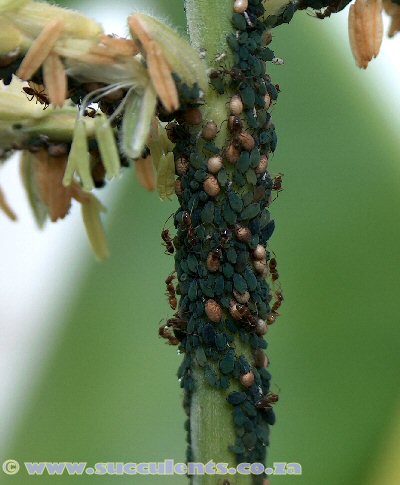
(365, 30)
(5, 207)
(159, 69)
(144, 169)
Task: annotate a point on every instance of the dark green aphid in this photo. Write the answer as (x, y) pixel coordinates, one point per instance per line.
(232, 42)
(247, 198)
(192, 292)
(228, 214)
(239, 22)
(221, 341)
(226, 364)
(240, 431)
(243, 53)
(251, 119)
(264, 219)
(249, 409)
(219, 285)
(265, 137)
(239, 283)
(222, 177)
(249, 439)
(251, 279)
(207, 214)
(238, 416)
(262, 433)
(248, 96)
(254, 158)
(192, 263)
(231, 255)
(210, 376)
(218, 84)
(267, 54)
(211, 147)
(236, 398)
(238, 449)
(206, 288)
(196, 160)
(243, 37)
(235, 201)
(251, 176)
(227, 269)
(224, 382)
(251, 211)
(200, 356)
(200, 175)
(209, 334)
(243, 163)
(239, 179)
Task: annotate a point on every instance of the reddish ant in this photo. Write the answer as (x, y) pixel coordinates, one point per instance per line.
(166, 332)
(267, 401)
(187, 221)
(91, 112)
(40, 96)
(277, 183)
(166, 237)
(171, 292)
(277, 304)
(273, 269)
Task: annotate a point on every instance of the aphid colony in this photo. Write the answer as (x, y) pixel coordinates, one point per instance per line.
(222, 227)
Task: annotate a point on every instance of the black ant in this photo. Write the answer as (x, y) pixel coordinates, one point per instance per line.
(40, 96)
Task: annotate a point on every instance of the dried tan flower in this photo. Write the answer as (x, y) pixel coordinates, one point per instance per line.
(159, 69)
(365, 30)
(40, 49)
(55, 79)
(144, 170)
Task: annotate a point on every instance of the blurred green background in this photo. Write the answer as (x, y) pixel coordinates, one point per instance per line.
(110, 393)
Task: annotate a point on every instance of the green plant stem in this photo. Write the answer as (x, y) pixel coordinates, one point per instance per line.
(212, 428)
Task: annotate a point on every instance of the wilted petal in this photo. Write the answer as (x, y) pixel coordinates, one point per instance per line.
(91, 217)
(365, 30)
(55, 79)
(5, 207)
(144, 170)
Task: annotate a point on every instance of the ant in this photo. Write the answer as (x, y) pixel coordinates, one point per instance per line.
(171, 291)
(277, 304)
(277, 183)
(187, 221)
(273, 270)
(166, 237)
(40, 96)
(267, 401)
(166, 332)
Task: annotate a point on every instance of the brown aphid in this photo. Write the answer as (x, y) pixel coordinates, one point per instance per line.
(209, 131)
(246, 141)
(262, 165)
(214, 259)
(181, 166)
(193, 116)
(267, 401)
(166, 237)
(243, 234)
(214, 164)
(240, 6)
(232, 153)
(213, 311)
(260, 359)
(260, 252)
(267, 100)
(260, 265)
(236, 105)
(241, 298)
(40, 96)
(211, 186)
(247, 380)
(261, 327)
